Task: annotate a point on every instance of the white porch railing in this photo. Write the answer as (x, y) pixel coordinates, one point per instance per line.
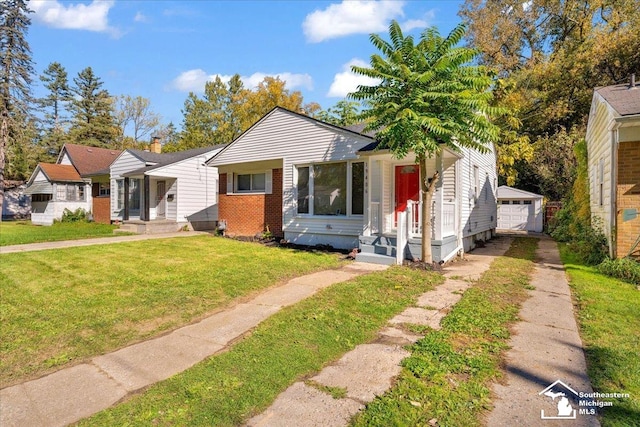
(448, 219)
(414, 219)
(374, 217)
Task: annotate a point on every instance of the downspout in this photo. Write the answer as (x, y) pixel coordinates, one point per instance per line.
(613, 214)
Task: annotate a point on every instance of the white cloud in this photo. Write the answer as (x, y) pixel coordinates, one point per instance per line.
(348, 81)
(350, 17)
(91, 17)
(140, 17)
(418, 23)
(194, 80)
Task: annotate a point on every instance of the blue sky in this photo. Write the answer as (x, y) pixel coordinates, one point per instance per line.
(161, 50)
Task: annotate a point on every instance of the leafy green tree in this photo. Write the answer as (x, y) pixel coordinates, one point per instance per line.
(93, 120)
(16, 71)
(429, 97)
(344, 113)
(135, 115)
(56, 81)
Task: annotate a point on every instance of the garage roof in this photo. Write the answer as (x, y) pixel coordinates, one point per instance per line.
(506, 192)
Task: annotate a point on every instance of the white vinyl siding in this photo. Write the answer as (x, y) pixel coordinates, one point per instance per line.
(478, 204)
(194, 189)
(298, 140)
(126, 162)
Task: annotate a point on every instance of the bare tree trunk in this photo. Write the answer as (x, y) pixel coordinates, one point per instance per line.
(427, 188)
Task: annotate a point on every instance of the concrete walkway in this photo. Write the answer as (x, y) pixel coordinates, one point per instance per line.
(545, 347)
(94, 241)
(77, 392)
(368, 370)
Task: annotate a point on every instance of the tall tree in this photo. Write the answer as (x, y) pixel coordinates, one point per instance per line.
(134, 114)
(344, 113)
(93, 120)
(55, 80)
(429, 97)
(15, 77)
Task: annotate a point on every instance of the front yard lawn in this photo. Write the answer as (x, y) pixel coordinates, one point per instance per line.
(59, 307)
(294, 343)
(608, 312)
(22, 232)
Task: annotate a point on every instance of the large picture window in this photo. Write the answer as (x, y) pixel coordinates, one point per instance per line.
(331, 189)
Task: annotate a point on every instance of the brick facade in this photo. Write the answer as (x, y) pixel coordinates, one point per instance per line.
(101, 209)
(628, 196)
(250, 214)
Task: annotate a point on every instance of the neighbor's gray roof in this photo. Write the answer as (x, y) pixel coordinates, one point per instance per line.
(39, 187)
(624, 99)
(164, 159)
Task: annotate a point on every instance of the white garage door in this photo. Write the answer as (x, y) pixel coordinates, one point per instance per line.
(516, 215)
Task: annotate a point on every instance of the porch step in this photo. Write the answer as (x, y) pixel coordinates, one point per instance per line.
(375, 258)
(151, 227)
(388, 250)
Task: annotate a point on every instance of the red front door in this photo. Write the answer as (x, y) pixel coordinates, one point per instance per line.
(407, 187)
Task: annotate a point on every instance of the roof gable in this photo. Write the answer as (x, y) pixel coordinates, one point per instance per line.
(282, 132)
(89, 160)
(169, 159)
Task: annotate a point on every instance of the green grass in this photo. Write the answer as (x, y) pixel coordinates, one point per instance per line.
(23, 232)
(291, 345)
(63, 306)
(609, 319)
(449, 373)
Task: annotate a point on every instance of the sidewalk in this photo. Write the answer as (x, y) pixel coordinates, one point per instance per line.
(369, 369)
(77, 392)
(545, 347)
(94, 241)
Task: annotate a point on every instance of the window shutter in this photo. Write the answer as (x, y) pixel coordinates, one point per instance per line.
(229, 182)
(268, 182)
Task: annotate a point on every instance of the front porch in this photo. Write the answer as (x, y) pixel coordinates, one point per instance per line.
(393, 217)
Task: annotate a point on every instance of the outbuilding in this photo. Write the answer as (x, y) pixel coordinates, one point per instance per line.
(519, 210)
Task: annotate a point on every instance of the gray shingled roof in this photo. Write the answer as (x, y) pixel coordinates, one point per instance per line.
(164, 159)
(624, 99)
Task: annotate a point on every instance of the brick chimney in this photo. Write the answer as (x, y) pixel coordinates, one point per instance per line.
(155, 146)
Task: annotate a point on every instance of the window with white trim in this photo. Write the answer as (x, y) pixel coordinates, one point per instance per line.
(70, 192)
(104, 189)
(250, 183)
(331, 189)
(476, 182)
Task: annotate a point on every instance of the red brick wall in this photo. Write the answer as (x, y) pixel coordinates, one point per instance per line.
(628, 195)
(250, 214)
(101, 209)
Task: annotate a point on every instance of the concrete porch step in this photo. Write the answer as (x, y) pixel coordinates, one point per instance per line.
(375, 258)
(151, 227)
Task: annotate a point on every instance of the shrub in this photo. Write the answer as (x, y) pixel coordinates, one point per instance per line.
(625, 269)
(79, 215)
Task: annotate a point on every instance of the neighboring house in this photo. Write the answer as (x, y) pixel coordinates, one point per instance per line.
(16, 204)
(314, 183)
(175, 188)
(613, 147)
(79, 179)
(519, 210)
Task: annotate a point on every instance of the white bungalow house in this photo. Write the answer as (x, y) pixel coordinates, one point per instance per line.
(314, 183)
(78, 180)
(613, 148)
(164, 191)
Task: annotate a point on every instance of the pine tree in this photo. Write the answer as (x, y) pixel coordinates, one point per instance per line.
(15, 76)
(93, 120)
(55, 123)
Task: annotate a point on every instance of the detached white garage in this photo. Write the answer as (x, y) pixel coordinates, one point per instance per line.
(519, 210)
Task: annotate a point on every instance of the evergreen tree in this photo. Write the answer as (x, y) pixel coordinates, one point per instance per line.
(16, 72)
(55, 123)
(93, 121)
